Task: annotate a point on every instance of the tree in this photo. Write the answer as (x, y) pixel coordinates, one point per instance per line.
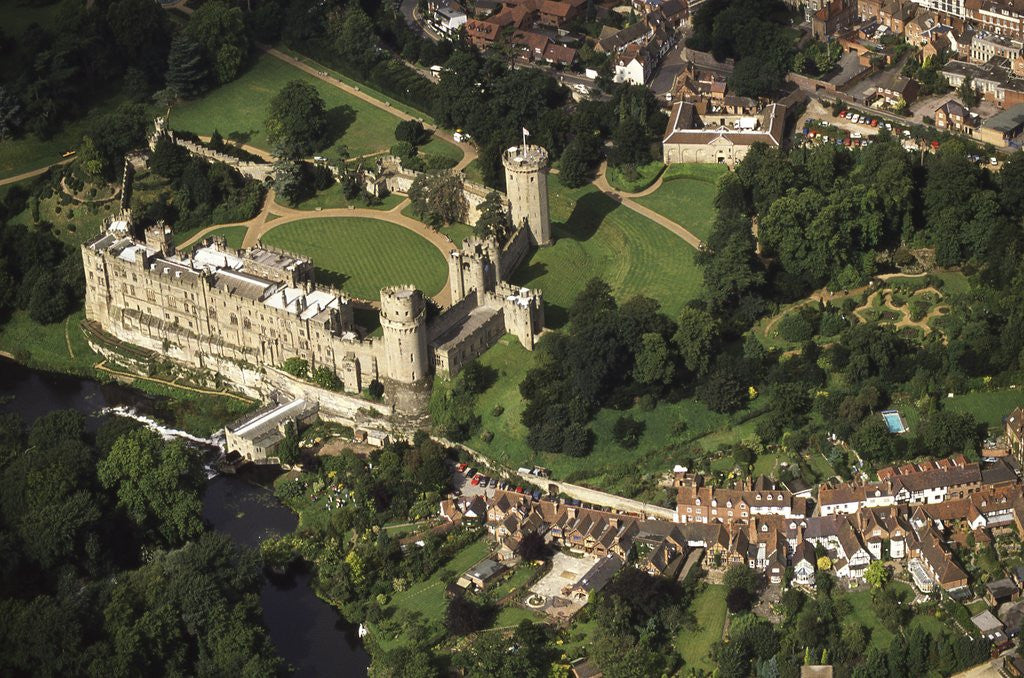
(627, 431)
(741, 586)
(289, 181)
(877, 574)
(157, 484)
(654, 365)
(494, 220)
(10, 114)
(297, 367)
(438, 198)
(573, 165)
(967, 93)
(696, 338)
(721, 391)
(824, 564)
(187, 72)
(220, 30)
(463, 616)
(873, 441)
(411, 131)
(288, 449)
(297, 120)
(49, 301)
(325, 377)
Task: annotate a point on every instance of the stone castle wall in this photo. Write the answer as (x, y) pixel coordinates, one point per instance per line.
(515, 250)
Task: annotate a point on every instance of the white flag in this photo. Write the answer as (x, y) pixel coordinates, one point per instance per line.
(526, 132)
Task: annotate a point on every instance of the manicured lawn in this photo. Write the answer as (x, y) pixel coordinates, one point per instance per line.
(643, 177)
(474, 173)
(428, 597)
(709, 611)
(74, 224)
(686, 196)
(511, 616)
(597, 237)
(988, 406)
(457, 232)
(239, 110)
(233, 234)
(864, 614)
(333, 197)
(609, 467)
(361, 256)
(438, 146)
(17, 15)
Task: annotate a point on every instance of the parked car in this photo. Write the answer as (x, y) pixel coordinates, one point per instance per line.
(492, 483)
(536, 495)
(460, 467)
(470, 472)
(842, 114)
(993, 161)
(475, 480)
(874, 123)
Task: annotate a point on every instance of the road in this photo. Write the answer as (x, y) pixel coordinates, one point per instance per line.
(34, 173)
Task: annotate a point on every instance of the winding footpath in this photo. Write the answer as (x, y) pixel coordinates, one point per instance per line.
(626, 200)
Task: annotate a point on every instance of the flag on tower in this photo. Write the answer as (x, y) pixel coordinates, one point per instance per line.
(526, 133)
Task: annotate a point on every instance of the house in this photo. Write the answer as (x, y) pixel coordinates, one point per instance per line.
(832, 18)
(697, 502)
(596, 577)
(560, 55)
(953, 117)
(448, 19)
(557, 13)
(894, 15)
(485, 8)
(468, 509)
(1013, 428)
(1001, 591)
(1002, 129)
(634, 65)
(484, 572)
(256, 437)
(898, 91)
(804, 564)
(985, 46)
(482, 34)
(990, 627)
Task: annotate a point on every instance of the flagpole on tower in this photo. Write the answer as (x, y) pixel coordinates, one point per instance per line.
(526, 133)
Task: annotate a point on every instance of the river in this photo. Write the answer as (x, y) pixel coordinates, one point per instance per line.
(308, 633)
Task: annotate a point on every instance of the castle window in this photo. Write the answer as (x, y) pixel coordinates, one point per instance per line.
(234, 320)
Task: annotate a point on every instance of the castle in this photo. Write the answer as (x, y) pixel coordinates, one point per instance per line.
(243, 311)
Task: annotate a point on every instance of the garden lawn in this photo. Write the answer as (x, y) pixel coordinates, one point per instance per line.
(609, 467)
(645, 175)
(597, 237)
(709, 611)
(864, 613)
(361, 256)
(333, 197)
(17, 15)
(428, 597)
(74, 223)
(238, 110)
(988, 406)
(687, 196)
(233, 234)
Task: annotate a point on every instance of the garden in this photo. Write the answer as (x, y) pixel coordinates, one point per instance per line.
(687, 196)
(360, 256)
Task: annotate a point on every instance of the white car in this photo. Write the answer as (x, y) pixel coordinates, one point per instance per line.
(993, 161)
(856, 135)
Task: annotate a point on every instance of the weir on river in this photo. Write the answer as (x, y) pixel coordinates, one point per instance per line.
(308, 633)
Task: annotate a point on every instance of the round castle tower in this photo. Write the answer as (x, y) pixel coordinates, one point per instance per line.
(403, 319)
(526, 183)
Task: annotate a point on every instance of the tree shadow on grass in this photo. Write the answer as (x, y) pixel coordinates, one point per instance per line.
(240, 138)
(588, 214)
(339, 119)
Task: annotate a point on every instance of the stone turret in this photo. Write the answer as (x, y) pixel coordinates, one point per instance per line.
(524, 312)
(474, 267)
(403, 319)
(526, 182)
(160, 238)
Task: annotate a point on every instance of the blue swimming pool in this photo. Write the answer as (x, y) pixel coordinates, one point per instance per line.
(894, 422)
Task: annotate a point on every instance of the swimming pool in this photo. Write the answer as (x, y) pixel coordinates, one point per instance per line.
(894, 422)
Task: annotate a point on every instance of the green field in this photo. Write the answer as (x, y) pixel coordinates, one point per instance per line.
(686, 196)
(595, 236)
(360, 256)
(643, 176)
(46, 346)
(609, 466)
(17, 15)
(427, 597)
(333, 197)
(233, 234)
(238, 110)
(988, 407)
(709, 611)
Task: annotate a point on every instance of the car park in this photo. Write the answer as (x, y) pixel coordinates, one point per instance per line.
(492, 483)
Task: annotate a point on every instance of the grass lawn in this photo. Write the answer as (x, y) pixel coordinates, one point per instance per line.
(686, 196)
(474, 173)
(233, 234)
(428, 597)
(333, 197)
(46, 347)
(864, 614)
(511, 616)
(74, 223)
(609, 466)
(361, 256)
(238, 110)
(17, 15)
(708, 608)
(641, 178)
(988, 406)
(457, 232)
(440, 147)
(595, 236)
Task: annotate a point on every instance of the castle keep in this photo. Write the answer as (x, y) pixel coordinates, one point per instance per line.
(217, 308)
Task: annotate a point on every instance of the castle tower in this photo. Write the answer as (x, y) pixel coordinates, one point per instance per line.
(523, 309)
(160, 238)
(472, 268)
(526, 183)
(403, 319)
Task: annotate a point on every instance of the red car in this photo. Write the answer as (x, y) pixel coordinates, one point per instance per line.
(475, 481)
(842, 114)
(460, 467)
(874, 123)
(519, 489)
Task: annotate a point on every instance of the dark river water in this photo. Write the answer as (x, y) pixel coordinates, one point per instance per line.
(308, 633)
